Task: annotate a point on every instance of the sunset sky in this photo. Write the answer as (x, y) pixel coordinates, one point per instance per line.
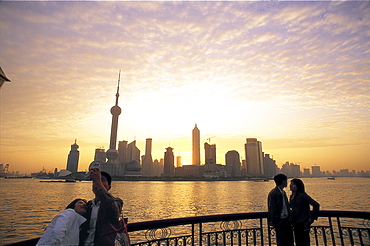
(294, 75)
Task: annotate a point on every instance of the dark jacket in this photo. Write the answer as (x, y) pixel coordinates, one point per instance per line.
(109, 212)
(300, 206)
(275, 206)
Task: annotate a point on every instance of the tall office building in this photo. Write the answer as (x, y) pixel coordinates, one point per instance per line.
(269, 165)
(133, 153)
(122, 152)
(233, 167)
(254, 157)
(196, 146)
(315, 170)
(169, 162)
(99, 155)
(210, 153)
(73, 157)
(147, 164)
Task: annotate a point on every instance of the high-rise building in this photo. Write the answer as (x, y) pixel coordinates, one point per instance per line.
(158, 167)
(269, 164)
(147, 163)
(196, 146)
(316, 172)
(73, 157)
(122, 152)
(254, 157)
(232, 159)
(291, 170)
(210, 153)
(99, 155)
(133, 153)
(306, 172)
(169, 162)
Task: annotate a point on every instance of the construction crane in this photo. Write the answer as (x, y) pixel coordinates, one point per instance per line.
(209, 139)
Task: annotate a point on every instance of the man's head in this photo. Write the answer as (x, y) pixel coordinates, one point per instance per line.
(281, 180)
(106, 179)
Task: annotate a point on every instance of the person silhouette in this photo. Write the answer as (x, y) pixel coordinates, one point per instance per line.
(278, 212)
(102, 211)
(302, 218)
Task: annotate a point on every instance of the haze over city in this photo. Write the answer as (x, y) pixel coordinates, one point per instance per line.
(294, 75)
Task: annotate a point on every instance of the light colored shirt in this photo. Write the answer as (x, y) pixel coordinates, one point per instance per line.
(64, 229)
(92, 226)
(284, 210)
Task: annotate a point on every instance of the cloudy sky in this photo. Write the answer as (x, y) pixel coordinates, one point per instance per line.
(294, 75)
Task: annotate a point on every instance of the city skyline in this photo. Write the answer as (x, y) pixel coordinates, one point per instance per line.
(291, 74)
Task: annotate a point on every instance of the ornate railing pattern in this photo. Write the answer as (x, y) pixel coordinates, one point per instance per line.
(332, 228)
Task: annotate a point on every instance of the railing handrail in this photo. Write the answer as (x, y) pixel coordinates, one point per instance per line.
(154, 224)
(146, 225)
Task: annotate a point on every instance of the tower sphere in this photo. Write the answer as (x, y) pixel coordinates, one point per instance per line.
(111, 154)
(115, 110)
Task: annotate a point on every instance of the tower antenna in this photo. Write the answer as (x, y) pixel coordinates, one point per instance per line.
(117, 94)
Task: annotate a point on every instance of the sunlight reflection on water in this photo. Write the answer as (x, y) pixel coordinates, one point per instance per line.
(27, 205)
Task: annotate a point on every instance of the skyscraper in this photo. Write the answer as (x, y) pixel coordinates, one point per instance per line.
(196, 146)
(210, 153)
(147, 160)
(122, 152)
(169, 162)
(232, 159)
(73, 157)
(254, 157)
(133, 152)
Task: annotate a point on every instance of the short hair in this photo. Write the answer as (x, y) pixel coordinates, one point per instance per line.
(279, 178)
(299, 184)
(107, 176)
(73, 203)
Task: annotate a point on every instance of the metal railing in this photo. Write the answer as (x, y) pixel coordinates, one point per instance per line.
(331, 229)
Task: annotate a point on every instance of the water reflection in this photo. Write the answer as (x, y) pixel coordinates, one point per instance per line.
(27, 206)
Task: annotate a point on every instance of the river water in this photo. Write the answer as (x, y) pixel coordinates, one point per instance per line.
(28, 205)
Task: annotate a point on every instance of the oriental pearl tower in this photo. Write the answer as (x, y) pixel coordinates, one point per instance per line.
(112, 153)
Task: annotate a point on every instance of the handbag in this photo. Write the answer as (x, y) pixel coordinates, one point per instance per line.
(116, 233)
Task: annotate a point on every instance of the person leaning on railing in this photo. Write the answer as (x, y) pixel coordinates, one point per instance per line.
(302, 218)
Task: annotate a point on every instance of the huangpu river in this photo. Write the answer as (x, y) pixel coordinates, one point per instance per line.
(28, 205)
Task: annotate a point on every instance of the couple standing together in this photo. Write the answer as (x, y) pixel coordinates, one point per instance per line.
(86, 223)
(291, 217)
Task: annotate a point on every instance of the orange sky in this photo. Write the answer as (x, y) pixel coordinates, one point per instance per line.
(294, 75)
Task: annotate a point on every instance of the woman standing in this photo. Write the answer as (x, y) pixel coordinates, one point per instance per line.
(64, 229)
(302, 217)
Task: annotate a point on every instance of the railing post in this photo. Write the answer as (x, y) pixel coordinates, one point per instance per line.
(340, 231)
(332, 231)
(192, 234)
(261, 226)
(200, 234)
(269, 232)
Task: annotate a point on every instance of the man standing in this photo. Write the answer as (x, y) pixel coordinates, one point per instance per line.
(102, 211)
(278, 212)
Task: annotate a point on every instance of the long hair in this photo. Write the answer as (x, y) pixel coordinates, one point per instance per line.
(299, 184)
(73, 203)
